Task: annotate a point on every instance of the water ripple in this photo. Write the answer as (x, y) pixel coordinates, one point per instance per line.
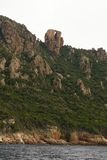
(52, 152)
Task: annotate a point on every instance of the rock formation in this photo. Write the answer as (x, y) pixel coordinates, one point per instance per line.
(101, 54)
(40, 66)
(85, 138)
(85, 90)
(14, 68)
(52, 137)
(85, 66)
(57, 82)
(15, 36)
(54, 41)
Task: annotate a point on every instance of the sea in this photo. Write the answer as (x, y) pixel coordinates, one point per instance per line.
(52, 152)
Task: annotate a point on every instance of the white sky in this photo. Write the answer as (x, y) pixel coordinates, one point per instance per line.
(83, 23)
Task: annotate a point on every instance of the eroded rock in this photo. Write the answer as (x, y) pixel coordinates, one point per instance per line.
(87, 138)
(16, 37)
(85, 90)
(54, 41)
(40, 66)
(14, 68)
(57, 82)
(85, 66)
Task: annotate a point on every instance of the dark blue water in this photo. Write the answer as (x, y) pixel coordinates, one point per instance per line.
(52, 152)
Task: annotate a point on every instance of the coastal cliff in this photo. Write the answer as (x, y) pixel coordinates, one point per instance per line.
(50, 92)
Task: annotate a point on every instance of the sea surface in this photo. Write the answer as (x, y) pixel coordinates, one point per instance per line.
(52, 152)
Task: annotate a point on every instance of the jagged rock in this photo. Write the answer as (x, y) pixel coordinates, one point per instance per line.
(41, 66)
(2, 64)
(15, 36)
(14, 68)
(54, 41)
(85, 90)
(85, 66)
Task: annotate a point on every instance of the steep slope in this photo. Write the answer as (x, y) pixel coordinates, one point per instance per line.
(42, 88)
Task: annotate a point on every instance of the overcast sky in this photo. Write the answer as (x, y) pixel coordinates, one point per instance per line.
(83, 23)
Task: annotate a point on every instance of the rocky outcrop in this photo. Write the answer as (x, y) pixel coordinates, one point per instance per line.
(54, 132)
(40, 66)
(15, 36)
(51, 135)
(42, 137)
(85, 90)
(101, 54)
(57, 82)
(54, 41)
(85, 138)
(85, 66)
(14, 68)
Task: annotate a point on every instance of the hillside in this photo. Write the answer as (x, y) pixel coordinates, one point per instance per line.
(47, 84)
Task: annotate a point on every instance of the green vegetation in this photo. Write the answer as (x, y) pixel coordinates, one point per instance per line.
(35, 106)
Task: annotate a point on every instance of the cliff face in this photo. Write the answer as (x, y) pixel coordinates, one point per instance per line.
(49, 84)
(16, 37)
(18, 41)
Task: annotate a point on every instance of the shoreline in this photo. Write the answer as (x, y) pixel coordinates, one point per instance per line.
(77, 138)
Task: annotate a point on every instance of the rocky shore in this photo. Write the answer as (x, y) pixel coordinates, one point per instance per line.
(40, 138)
